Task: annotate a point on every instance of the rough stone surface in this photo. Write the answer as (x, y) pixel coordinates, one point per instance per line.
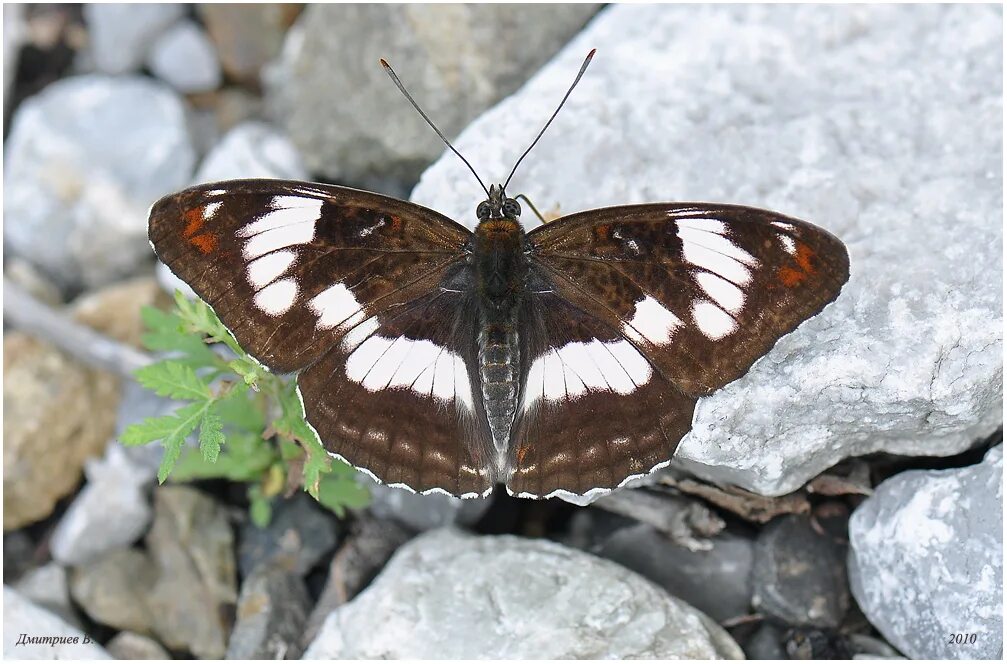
(130, 645)
(27, 276)
(115, 310)
(717, 582)
(272, 611)
(297, 537)
(115, 485)
(47, 588)
(247, 36)
(121, 34)
(113, 589)
(252, 150)
(423, 512)
(799, 575)
(554, 603)
(365, 551)
(348, 119)
(193, 598)
(57, 413)
(13, 38)
(185, 58)
(926, 560)
(20, 616)
(84, 160)
(880, 124)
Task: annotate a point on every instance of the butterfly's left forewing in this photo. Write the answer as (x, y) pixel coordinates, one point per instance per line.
(359, 292)
(290, 267)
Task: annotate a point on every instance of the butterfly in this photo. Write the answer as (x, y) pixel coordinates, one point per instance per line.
(564, 360)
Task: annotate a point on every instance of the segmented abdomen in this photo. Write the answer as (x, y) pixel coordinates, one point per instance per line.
(499, 359)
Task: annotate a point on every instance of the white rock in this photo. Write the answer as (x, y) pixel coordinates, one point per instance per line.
(880, 124)
(185, 57)
(115, 486)
(84, 160)
(456, 59)
(13, 39)
(22, 617)
(121, 34)
(252, 150)
(926, 560)
(446, 595)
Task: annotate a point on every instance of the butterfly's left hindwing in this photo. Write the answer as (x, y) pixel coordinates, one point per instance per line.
(702, 290)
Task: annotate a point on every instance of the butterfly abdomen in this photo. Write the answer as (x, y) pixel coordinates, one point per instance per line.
(501, 270)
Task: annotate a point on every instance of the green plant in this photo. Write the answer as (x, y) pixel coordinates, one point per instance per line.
(250, 422)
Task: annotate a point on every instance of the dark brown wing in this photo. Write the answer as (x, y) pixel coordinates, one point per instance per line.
(290, 266)
(593, 410)
(702, 290)
(399, 398)
(318, 279)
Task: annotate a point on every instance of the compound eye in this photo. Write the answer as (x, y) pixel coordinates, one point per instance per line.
(483, 210)
(511, 209)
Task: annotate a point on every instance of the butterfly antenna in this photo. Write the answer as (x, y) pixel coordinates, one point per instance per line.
(402, 89)
(583, 67)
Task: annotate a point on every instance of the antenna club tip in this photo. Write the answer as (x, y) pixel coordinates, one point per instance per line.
(591, 54)
(384, 63)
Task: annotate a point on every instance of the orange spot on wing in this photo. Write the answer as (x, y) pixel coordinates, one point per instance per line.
(804, 257)
(521, 453)
(791, 277)
(194, 221)
(205, 242)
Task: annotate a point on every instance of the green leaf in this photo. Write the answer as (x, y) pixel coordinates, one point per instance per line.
(240, 410)
(340, 493)
(249, 371)
(173, 379)
(173, 434)
(211, 436)
(260, 508)
(165, 333)
(245, 458)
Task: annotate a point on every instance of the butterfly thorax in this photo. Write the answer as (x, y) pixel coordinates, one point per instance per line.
(501, 269)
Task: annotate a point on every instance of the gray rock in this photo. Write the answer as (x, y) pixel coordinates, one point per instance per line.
(13, 39)
(272, 611)
(130, 645)
(926, 560)
(717, 581)
(247, 36)
(115, 485)
(20, 616)
(365, 551)
(511, 598)
(297, 537)
(349, 120)
(47, 588)
(252, 150)
(786, 107)
(113, 589)
(58, 414)
(185, 58)
(121, 34)
(422, 512)
(766, 643)
(18, 555)
(36, 284)
(84, 160)
(194, 596)
(799, 575)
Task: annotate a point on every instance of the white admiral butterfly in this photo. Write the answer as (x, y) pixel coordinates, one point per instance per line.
(567, 359)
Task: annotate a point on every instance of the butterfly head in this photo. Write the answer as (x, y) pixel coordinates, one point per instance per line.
(498, 206)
